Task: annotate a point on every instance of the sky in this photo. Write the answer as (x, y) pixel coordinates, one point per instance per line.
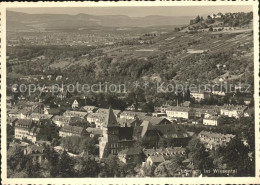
(138, 11)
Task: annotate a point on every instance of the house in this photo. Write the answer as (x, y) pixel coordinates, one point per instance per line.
(128, 122)
(199, 95)
(153, 133)
(37, 116)
(94, 132)
(31, 106)
(180, 112)
(131, 107)
(78, 102)
(206, 111)
(62, 120)
(132, 115)
(131, 155)
(52, 111)
(162, 108)
(36, 152)
(156, 120)
(27, 129)
(89, 108)
(235, 111)
(247, 101)
(218, 92)
(212, 121)
(213, 140)
(69, 130)
(168, 152)
(186, 104)
(82, 115)
(95, 118)
(106, 111)
(155, 160)
(22, 128)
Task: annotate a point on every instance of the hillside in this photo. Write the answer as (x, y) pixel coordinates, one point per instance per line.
(172, 56)
(22, 21)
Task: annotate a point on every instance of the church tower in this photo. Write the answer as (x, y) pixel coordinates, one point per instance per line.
(108, 144)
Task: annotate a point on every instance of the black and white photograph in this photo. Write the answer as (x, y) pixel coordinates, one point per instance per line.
(130, 92)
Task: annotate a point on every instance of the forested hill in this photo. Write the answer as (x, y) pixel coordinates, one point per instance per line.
(239, 19)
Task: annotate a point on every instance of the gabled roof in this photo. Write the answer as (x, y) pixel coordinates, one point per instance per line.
(157, 158)
(178, 109)
(71, 129)
(106, 111)
(132, 151)
(53, 111)
(172, 130)
(154, 120)
(140, 115)
(23, 123)
(146, 126)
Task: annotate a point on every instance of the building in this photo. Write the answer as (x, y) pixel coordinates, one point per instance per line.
(155, 160)
(60, 121)
(153, 133)
(132, 115)
(213, 140)
(212, 121)
(131, 107)
(52, 111)
(131, 155)
(200, 95)
(186, 104)
(31, 130)
(106, 111)
(235, 111)
(96, 118)
(128, 122)
(180, 112)
(36, 152)
(78, 102)
(70, 114)
(69, 130)
(156, 120)
(114, 137)
(89, 108)
(35, 107)
(37, 116)
(22, 128)
(162, 108)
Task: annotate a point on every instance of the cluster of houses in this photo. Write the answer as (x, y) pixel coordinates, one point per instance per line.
(118, 131)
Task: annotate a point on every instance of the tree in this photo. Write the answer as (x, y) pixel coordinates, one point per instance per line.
(33, 168)
(15, 158)
(110, 167)
(198, 155)
(145, 170)
(87, 166)
(65, 166)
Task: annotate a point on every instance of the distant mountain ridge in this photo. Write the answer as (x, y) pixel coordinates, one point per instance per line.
(24, 21)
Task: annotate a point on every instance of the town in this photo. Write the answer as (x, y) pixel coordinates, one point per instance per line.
(137, 131)
(144, 141)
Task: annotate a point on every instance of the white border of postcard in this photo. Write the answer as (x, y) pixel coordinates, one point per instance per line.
(168, 180)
